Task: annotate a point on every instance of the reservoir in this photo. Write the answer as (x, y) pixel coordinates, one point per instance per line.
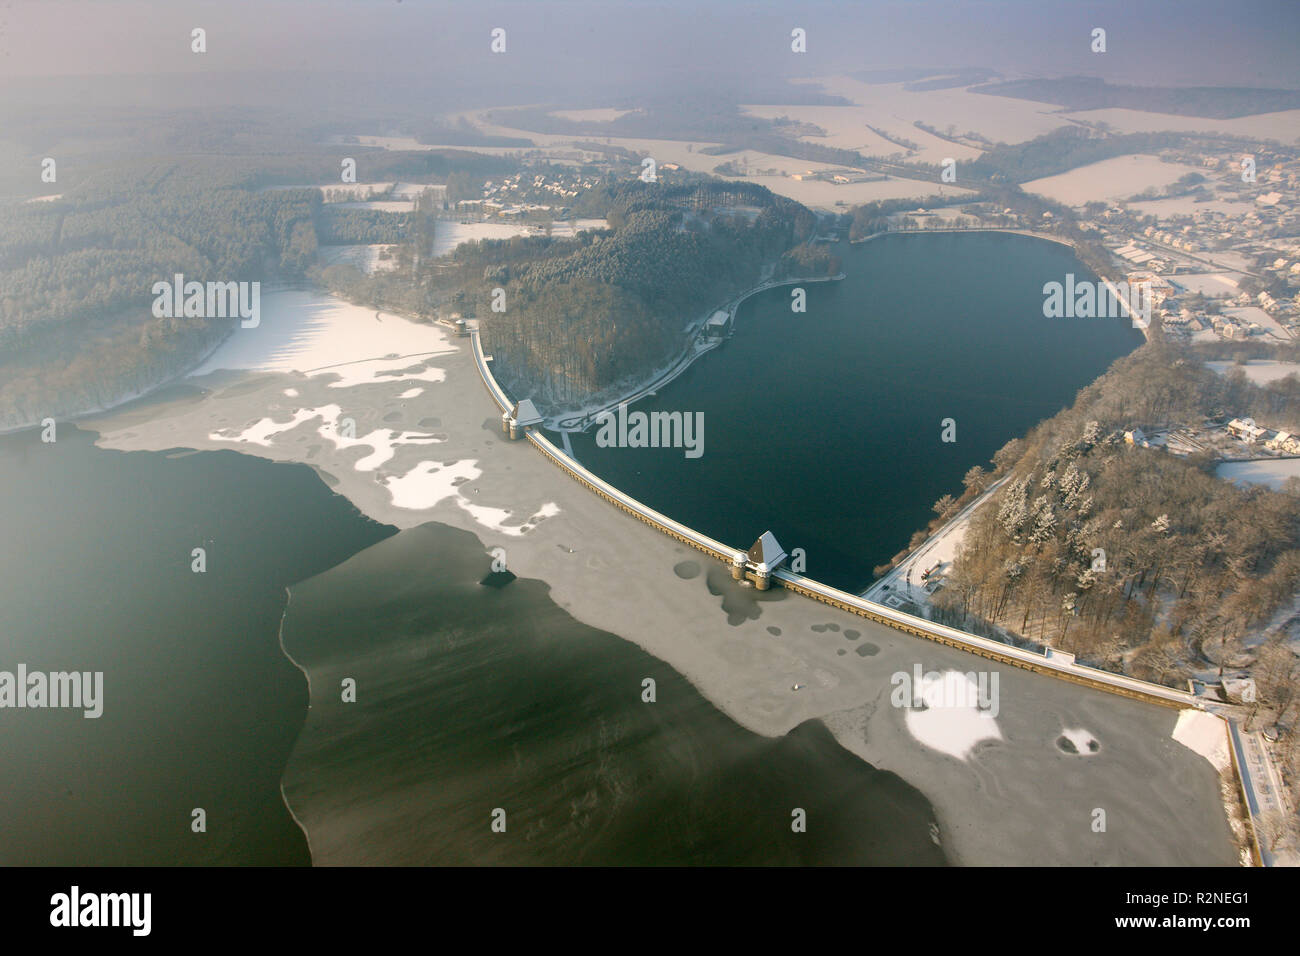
(475, 696)
(469, 696)
(200, 708)
(825, 427)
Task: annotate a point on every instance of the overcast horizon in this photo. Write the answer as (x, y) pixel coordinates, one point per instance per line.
(559, 47)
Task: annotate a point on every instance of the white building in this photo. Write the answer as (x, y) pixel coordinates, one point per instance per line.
(1245, 429)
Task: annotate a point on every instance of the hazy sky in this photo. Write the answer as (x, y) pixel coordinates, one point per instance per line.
(590, 45)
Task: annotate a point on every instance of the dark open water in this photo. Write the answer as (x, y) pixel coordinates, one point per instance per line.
(824, 427)
(200, 707)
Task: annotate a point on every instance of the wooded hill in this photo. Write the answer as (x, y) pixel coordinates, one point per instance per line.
(582, 315)
(1192, 563)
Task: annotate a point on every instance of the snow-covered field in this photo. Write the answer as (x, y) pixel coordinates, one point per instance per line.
(846, 128)
(893, 109)
(1209, 283)
(379, 205)
(1229, 260)
(311, 332)
(1259, 371)
(1283, 126)
(688, 155)
(366, 258)
(1010, 120)
(945, 215)
(1270, 472)
(411, 191)
(448, 235)
(600, 115)
(408, 143)
(355, 191)
(823, 195)
(1116, 178)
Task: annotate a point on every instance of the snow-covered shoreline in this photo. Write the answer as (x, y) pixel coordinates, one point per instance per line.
(118, 403)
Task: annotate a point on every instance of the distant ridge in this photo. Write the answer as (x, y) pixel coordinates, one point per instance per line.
(1091, 93)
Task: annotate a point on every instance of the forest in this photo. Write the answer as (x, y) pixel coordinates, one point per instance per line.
(348, 226)
(1134, 559)
(582, 314)
(576, 315)
(76, 329)
(1061, 150)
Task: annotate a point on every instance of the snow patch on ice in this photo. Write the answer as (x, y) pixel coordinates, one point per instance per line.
(955, 731)
(379, 371)
(382, 442)
(1084, 742)
(430, 482)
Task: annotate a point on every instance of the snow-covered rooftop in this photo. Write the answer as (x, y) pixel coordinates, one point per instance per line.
(525, 413)
(766, 554)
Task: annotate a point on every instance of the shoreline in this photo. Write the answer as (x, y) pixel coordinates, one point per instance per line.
(284, 616)
(1028, 233)
(174, 379)
(887, 580)
(119, 403)
(562, 421)
(1010, 230)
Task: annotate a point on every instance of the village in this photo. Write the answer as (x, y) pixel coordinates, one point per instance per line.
(1219, 247)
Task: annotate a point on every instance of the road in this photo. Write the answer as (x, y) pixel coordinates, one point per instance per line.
(1263, 788)
(940, 547)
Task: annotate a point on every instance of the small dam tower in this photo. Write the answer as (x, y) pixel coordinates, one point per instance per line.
(757, 565)
(524, 415)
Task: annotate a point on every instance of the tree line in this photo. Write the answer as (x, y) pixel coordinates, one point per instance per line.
(1135, 559)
